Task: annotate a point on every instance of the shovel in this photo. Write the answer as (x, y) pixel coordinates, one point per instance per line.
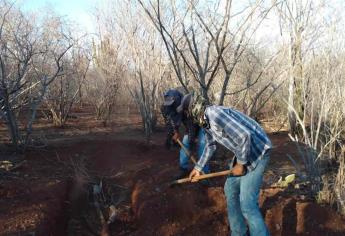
(201, 177)
(187, 152)
(207, 176)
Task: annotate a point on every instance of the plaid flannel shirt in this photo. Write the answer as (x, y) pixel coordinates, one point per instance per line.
(238, 133)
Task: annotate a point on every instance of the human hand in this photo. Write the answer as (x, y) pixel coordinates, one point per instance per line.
(194, 174)
(238, 170)
(176, 136)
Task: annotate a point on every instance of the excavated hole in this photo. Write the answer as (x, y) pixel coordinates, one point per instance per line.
(91, 205)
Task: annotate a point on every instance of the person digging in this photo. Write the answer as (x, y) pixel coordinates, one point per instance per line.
(192, 142)
(250, 144)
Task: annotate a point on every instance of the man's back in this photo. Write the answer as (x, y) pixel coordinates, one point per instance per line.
(232, 128)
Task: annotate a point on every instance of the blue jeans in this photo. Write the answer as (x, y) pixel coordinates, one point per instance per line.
(242, 194)
(184, 159)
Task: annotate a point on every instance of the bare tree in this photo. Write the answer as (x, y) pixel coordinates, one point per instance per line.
(105, 80)
(197, 37)
(323, 121)
(258, 79)
(66, 89)
(24, 79)
(298, 19)
(146, 63)
(189, 49)
(324, 127)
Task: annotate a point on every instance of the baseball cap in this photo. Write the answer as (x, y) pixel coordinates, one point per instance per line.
(184, 103)
(171, 96)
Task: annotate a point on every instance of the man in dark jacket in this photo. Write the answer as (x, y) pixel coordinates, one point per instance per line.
(194, 140)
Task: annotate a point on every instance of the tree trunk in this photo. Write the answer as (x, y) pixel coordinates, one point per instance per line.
(11, 122)
(223, 92)
(295, 99)
(291, 113)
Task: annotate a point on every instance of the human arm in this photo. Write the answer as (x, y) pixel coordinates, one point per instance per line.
(173, 121)
(210, 148)
(232, 130)
(169, 127)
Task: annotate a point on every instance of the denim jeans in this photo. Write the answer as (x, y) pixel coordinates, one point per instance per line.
(184, 159)
(242, 194)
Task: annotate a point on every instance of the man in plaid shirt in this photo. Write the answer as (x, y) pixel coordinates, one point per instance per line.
(250, 144)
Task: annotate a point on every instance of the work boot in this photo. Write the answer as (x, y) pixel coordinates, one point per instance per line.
(182, 173)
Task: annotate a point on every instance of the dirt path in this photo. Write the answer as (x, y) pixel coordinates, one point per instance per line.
(40, 197)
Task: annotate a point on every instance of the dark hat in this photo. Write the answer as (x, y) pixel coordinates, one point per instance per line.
(184, 103)
(168, 101)
(171, 96)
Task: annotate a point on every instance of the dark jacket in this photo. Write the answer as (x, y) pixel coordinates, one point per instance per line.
(173, 121)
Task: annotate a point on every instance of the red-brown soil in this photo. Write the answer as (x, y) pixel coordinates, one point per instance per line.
(42, 197)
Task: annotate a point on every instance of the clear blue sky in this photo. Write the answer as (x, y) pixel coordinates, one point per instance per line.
(79, 11)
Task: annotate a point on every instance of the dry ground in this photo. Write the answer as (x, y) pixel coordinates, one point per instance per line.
(48, 195)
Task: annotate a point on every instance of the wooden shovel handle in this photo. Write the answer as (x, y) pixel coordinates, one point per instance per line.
(186, 151)
(205, 176)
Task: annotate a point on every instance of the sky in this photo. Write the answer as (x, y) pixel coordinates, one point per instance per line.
(79, 11)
